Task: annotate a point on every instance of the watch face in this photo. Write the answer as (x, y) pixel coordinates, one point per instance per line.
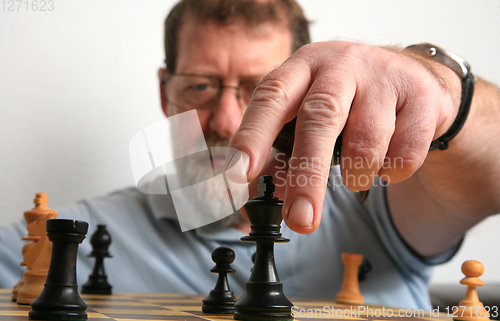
(447, 58)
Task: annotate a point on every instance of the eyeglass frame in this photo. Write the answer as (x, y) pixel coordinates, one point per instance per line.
(219, 92)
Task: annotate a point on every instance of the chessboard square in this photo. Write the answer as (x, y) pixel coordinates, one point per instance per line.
(96, 316)
(187, 308)
(121, 317)
(158, 295)
(175, 300)
(155, 311)
(13, 313)
(218, 317)
(301, 303)
(106, 297)
(138, 319)
(191, 318)
(170, 303)
(120, 304)
(13, 306)
(126, 319)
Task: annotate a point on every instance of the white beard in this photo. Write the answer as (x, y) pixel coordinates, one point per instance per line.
(195, 169)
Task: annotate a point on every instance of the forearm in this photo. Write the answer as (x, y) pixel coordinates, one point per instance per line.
(466, 177)
(455, 188)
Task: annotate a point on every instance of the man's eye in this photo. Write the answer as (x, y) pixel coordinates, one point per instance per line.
(201, 87)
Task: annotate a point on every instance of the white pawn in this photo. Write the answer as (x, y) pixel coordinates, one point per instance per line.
(349, 292)
(470, 308)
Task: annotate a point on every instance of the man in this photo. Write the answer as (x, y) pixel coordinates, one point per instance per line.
(388, 103)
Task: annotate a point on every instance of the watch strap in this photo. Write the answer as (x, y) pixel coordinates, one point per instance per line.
(462, 69)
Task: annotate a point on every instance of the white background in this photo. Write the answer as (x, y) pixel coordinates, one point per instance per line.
(78, 82)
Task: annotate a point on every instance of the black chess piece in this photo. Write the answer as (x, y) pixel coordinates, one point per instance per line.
(286, 138)
(364, 269)
(97, 282)
(264, 297)
(59, 299)
(221, 299)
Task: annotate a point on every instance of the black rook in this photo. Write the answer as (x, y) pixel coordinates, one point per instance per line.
(60, 299)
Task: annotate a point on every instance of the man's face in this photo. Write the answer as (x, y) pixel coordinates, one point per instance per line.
(233, 54)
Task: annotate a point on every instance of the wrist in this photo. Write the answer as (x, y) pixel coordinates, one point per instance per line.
(462, 69)
(452, 86)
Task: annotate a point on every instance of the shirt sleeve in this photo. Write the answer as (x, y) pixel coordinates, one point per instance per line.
(377, 206)
(10, 253)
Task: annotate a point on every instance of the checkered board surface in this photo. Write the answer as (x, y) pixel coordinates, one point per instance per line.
(164, 306)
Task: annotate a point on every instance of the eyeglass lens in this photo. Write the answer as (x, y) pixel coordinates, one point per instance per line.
(201, 92)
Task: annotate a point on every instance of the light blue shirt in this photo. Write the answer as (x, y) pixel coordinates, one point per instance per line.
(151, 254)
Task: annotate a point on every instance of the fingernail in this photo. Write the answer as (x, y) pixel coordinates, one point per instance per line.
(237, 165)
(301, 212)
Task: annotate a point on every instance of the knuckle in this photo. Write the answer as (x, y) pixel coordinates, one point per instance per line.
(363, 159)
(367, 149)
(323, 109)
(424, 85)
(272, 98)
(419, 83)
(307, 172)
(275, 86)
(410, 163)
(271, 90)
(402, 166)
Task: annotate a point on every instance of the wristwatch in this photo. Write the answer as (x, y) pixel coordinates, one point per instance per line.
(462, 69)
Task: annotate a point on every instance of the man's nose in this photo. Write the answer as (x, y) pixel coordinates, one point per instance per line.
(228, 113)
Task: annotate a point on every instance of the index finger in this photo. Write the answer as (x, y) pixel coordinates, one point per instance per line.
(275, 102)
(320, 96)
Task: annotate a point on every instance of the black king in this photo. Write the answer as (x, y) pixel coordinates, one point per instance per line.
(264, 297)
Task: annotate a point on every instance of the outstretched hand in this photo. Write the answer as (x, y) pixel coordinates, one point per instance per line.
(390, 106)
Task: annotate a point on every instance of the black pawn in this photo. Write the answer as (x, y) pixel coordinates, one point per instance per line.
(221, 299)
(59, 299)
(97, 282)
(264, 297)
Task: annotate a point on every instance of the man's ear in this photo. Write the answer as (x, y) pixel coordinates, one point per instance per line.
(162, 77)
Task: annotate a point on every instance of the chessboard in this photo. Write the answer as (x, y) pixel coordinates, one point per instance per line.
(165, 306)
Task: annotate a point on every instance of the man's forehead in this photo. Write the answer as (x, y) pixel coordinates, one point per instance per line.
(251, 13)
(234, 25)
(209, 44)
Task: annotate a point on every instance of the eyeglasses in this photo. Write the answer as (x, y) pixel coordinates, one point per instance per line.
(191, 91)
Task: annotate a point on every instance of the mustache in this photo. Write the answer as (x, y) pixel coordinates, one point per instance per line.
(214, 142)
(216, 149)
(217, 141)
